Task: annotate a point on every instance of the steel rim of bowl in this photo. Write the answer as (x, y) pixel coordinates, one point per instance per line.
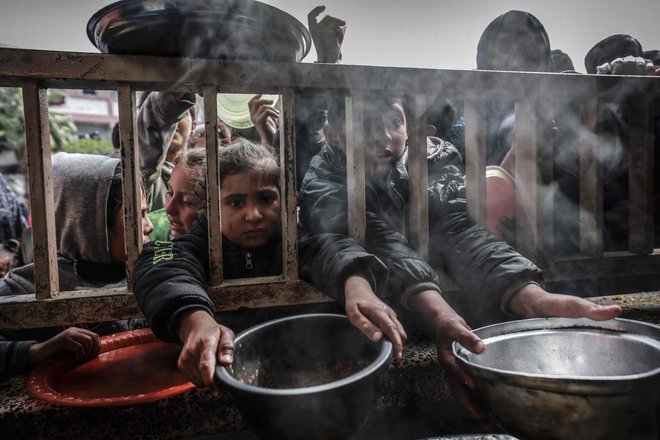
(615, 325)
(385, 352)
(94, 33)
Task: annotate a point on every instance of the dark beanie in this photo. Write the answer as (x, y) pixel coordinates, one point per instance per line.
(610, 48)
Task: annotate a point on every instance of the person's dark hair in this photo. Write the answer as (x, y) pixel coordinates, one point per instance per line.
(115, 137)
(653, 55)
(490, 48)
(610, 48)
(244, 156)
(194, 161)
(116, 197)
(441, 114)
(560, 61)
(337, 108)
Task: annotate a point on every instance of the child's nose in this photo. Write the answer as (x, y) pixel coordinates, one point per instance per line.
(253, 213)
(147, 226)
(170, 207)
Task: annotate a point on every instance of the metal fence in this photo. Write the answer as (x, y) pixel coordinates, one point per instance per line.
(36, 71)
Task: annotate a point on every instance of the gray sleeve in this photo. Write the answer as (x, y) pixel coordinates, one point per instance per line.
(157, 120)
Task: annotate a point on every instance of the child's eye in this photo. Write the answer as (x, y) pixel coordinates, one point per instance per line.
(396, 122)
(188, 203)
(235, 203)
(267, 199)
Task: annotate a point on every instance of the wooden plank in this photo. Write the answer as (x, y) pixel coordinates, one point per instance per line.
(475, 159)
(527, 178)
(37, 139)
(418, 215)
(103, 71)
(640, 178)
(288, 201)
(355, 179)
(130, 163)
(213, 185)
(23, 311)
(591, 183)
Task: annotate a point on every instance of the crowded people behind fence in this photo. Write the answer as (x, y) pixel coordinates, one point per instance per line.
(492, 276)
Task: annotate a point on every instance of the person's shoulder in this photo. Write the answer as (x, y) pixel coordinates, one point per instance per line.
(442, 151)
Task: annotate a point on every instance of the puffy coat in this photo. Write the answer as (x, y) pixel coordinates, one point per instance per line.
(484, 267)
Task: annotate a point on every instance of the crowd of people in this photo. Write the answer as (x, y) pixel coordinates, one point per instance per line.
(384, 286)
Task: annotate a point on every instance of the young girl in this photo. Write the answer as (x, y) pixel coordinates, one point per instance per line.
(170, 276)
(186, 196)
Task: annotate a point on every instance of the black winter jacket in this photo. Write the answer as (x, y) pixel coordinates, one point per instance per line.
(171, 277)
(481, 265)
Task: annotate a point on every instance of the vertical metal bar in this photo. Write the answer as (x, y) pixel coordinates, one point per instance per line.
(355, 167)
(213, 185)
(527, 178)
(37, 138)
(640, 180)
(130, 163)
(288, 184)
(591, 182)
(475, 160)
(418, 222)
(545, 165)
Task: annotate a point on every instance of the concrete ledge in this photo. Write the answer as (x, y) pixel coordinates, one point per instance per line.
(413, 401)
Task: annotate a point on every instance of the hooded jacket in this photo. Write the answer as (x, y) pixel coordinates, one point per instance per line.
(480, 264)
(81, 185)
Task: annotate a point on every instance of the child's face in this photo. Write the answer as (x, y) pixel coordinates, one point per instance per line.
(181, 205)
(385, 134)
(116, 232)
(250, 209)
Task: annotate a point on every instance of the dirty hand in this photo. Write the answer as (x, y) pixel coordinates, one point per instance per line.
(327, 34)
(371, 315)
(83, 344)
(629, 65)
(447, 326)
(204, 342)
(264, 117)
(531, 301)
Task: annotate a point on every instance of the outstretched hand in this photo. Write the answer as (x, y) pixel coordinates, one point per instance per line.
(447, 326)
(532, 301)
(264, 117)
(83, 344)
(327, 34)
(629, 65)
(205, 343)
(371, 315)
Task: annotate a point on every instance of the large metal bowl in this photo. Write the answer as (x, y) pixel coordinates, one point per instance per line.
(560, 378)
(215, 29)
(305, 377)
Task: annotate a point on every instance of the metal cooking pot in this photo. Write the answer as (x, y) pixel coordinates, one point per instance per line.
(560, 378)
(305, 377)
(215, 29)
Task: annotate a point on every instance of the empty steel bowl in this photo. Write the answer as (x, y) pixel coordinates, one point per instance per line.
(560, 378)
(305, 377)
